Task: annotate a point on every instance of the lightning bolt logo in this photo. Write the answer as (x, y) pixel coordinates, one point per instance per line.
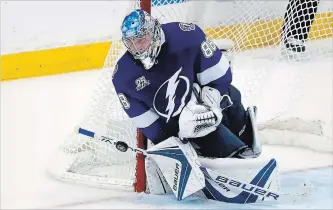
(172, 85)
(171, 93)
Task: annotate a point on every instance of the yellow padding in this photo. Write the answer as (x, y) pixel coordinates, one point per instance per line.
(322, 26)
(267, 33)
(54, 61)
(247, 36)
(91, 56)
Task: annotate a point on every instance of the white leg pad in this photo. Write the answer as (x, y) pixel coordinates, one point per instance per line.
(256, 145)
(157, 185)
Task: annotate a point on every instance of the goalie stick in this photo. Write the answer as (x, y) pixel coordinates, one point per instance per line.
(222, 180)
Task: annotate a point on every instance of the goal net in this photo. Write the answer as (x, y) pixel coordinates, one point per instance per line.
(275, 48)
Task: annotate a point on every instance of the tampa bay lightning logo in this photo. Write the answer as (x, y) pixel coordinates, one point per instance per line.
(171, 91)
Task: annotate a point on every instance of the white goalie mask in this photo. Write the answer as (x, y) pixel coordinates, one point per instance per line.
(141, 34)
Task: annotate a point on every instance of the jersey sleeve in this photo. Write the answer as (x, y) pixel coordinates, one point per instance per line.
(143, 117)
(212, 67)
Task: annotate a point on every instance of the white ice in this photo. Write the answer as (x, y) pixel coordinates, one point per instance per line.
(37, 114)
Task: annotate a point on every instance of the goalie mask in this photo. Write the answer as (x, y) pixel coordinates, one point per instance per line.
(141, 34)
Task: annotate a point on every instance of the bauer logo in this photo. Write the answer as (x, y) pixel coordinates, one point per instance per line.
(224, 187)
(176, 177)
(246, 187)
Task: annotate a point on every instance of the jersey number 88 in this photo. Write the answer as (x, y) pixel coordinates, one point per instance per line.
(208, 48)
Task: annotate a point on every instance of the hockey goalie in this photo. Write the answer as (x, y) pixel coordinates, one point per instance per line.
(175, 85)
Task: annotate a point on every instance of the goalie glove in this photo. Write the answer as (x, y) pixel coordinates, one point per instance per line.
(198, 119)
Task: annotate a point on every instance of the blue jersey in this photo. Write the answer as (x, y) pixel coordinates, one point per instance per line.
(154, 98)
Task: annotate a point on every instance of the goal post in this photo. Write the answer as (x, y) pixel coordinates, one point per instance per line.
(262, 63)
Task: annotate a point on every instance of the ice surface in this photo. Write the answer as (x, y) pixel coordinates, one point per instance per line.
(37, 114)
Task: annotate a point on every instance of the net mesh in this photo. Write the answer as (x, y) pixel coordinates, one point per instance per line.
(259, 31)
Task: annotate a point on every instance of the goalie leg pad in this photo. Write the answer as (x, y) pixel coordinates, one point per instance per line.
(241, 122)
(250, 135)
(256, 181)
(256, 145)
(179, 164)
(157, 184)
